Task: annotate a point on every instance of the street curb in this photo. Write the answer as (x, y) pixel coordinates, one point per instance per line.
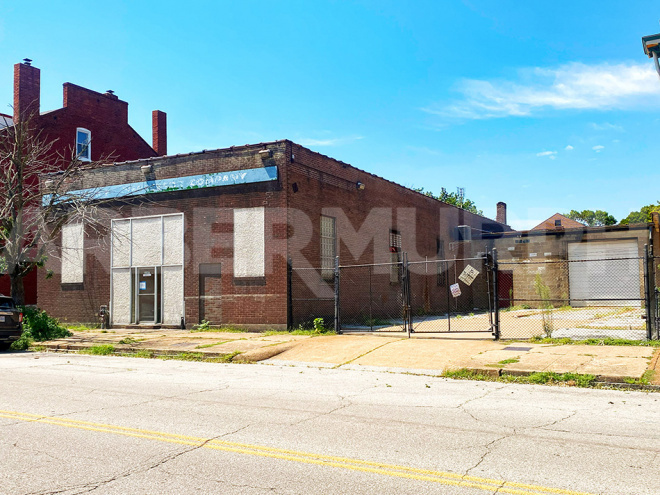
(616, 381)
(119, 348)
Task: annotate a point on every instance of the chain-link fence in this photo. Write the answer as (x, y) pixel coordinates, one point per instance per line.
(371, 297)
(311, 295)
(576, 299)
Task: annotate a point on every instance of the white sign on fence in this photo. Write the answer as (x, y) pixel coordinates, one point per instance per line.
(468, 275)
(455, 290)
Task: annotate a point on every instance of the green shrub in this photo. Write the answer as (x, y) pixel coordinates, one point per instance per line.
(38, 326)
(22, 344)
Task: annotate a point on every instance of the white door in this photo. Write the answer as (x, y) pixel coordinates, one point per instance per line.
(605, 273)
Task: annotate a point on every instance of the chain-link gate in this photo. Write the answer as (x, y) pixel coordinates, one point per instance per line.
(452, 296)
(431, 296)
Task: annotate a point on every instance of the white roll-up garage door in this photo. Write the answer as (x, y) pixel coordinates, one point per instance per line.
(604, 273)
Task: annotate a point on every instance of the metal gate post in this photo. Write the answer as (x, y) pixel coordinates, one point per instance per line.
(496, 296)
(408, 311)
(647, 294)
(337, 299)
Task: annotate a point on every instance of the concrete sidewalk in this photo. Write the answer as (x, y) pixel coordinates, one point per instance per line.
(423, 354)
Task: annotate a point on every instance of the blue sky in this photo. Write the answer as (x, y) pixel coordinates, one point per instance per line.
(548, 106)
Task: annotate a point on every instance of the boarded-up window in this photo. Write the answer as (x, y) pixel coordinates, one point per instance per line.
(172, 294)
(328, 247)
(121, 295)
(73, 259)
(147, 241)
(249, 242)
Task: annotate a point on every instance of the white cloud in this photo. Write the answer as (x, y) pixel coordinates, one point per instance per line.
(606, 126)
(329, 141)
(570, 86)
(550, 154)
(598, 148)
(569, 148)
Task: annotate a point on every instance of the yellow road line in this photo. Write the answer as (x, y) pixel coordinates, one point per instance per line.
(394, 470)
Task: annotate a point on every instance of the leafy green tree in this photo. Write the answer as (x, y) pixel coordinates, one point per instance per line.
(641, 216)
(452, 199)
(598, 218)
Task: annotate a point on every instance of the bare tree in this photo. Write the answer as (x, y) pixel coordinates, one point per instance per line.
(36, 199)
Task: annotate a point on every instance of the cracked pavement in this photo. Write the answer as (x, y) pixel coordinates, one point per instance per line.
(591, 441)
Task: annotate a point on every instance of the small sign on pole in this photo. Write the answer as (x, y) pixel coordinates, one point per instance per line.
(455, 290)
(468, 275)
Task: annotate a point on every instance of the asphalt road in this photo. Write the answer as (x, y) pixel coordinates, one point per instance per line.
(73, 424)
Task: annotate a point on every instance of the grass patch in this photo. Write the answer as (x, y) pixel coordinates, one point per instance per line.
(509, 361)
(200, 356)
(645, 379)
(139, 354)
(99, 350)
(83, 328)
(539, 378)
(204, 346)
(299, 331)
(220, 328)
(128, 341)
(605, 341)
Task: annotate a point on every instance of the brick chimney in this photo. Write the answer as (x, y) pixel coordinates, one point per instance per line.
(159, 131)
(501, 213)
(27, 81)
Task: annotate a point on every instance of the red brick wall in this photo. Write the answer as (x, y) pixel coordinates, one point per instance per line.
(328, 187)
(208, 238)
(104, 115)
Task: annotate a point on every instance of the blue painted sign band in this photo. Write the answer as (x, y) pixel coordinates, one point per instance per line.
(231, 178)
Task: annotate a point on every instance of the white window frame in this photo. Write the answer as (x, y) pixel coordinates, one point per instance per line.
(88, 157)
(132, 266)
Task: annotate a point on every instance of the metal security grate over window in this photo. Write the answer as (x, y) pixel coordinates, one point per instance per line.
(328, 247)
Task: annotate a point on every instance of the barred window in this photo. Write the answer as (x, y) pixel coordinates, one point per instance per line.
(395, 256)
(328, 247)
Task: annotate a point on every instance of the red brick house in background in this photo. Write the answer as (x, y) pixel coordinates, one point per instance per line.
(559, 221)
(94, 125)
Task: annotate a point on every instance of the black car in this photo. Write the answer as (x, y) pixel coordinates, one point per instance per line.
(11, 322)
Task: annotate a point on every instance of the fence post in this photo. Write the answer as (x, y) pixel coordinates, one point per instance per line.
(406, 283)
(496, 296)
(337, 307)
(647, 294)
(289, 293)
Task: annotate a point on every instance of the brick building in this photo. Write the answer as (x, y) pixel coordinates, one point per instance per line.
(209, 235)
(90, 124)
(581, 266)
